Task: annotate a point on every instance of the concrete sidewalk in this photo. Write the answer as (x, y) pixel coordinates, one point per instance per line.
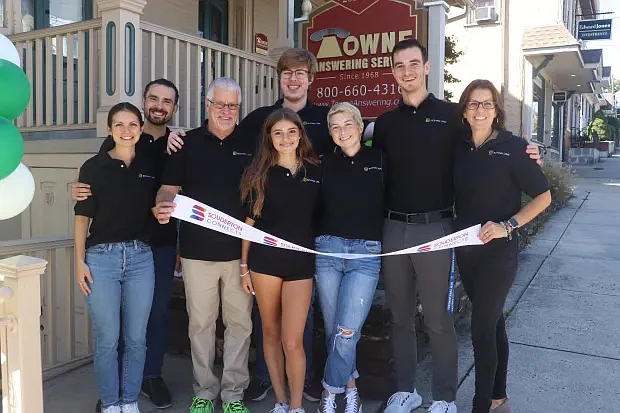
(563, 323)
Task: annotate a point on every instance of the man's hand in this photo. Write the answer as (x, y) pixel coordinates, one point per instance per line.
(163, 211)
(80, 191)
(533, 150)
(174, 140)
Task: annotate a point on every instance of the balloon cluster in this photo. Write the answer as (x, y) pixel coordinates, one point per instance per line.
(16, 181)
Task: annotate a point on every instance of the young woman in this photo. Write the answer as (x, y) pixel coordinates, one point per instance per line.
(351, 222)
(492, 171)
(282, 188)
(114, 264)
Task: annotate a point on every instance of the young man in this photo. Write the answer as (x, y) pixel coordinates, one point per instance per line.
(418, 139)
(296, 69)
(209, 169)
(160, 103)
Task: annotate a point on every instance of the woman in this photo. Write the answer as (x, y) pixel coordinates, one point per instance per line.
(282, 187)
(114, 264)
(351, 222)
(492, 171)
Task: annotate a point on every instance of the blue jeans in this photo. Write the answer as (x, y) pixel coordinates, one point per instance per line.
(261, 366)
(346, 289)
(122, 292)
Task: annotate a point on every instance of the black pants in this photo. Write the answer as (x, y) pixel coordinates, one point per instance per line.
(487, 273)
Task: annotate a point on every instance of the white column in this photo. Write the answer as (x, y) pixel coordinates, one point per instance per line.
(115, 70)
(22, 382)
(436, 45)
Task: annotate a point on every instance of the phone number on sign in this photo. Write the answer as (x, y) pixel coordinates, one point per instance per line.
(357, 90)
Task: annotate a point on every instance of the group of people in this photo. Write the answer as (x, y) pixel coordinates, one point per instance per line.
(301, 172)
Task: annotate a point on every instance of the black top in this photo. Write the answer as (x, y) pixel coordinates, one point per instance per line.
(313, 116)
(419, 146)
(489, 180)
(290, 204)
(155, 151)
(121, 200)
(209, 170)
(352, 195)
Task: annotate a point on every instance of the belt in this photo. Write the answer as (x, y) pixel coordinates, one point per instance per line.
(419, 218)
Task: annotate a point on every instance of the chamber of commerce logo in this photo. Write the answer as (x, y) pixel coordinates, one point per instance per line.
(198, 213)
(270, 241)
(424, 248)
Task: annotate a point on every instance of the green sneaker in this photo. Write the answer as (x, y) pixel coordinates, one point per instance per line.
(235, 407)
(201, 406)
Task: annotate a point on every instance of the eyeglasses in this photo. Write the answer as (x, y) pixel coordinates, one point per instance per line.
(299, 74)
(220, 105)
(473, 105)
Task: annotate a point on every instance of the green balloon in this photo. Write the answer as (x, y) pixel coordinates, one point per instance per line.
(11, 148)
(14, 90)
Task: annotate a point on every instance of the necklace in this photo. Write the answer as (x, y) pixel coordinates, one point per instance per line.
(485, 141)
(294, 169)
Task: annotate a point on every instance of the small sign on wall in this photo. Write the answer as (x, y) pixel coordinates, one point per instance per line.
(261, 44)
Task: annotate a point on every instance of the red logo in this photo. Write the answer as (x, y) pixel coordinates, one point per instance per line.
(424, 248)
(198, 213)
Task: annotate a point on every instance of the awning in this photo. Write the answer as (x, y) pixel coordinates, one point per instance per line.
(554, 52)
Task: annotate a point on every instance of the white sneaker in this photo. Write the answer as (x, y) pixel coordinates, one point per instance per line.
(442, 407)
(299, 410)
(403, 402)
(130, 408)
(280, 408)
(111, 409)
(328, 404)
(354, 403)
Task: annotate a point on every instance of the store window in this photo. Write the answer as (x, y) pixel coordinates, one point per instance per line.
(41, 14)
(538, 110)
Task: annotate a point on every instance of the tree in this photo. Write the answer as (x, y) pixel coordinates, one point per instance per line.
(598, 126)
(452, 56)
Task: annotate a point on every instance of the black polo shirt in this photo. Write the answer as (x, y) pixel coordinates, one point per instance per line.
(209, 170)
(121, 200)
(314, 118)
(419, 148)
(352, 195)
(291, 203)
(155, 151)
(489, 180)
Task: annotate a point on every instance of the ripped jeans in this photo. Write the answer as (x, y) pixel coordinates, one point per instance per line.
(345, 289)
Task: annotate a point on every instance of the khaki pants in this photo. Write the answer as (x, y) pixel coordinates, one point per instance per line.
(203, 282)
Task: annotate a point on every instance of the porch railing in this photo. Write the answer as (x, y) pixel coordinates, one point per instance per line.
(66, 337)
(61, 64)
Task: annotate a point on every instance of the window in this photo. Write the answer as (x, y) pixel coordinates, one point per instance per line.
(486, 11)
(2, 20)
(538, 110)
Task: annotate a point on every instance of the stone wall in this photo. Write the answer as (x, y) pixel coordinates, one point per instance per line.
(584, 155)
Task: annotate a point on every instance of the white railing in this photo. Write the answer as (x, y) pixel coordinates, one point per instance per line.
(192, 63)
(66, 338)
(61, 64)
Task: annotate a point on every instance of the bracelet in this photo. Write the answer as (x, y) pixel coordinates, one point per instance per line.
(243, 275)
(243, 265)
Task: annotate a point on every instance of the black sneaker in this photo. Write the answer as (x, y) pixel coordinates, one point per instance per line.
(156, 390)
(98, 406)
(257, 390)
(313, 390)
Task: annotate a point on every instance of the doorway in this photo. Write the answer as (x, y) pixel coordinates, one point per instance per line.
(213, 20)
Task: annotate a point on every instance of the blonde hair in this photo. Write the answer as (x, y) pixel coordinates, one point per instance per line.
(345, 107)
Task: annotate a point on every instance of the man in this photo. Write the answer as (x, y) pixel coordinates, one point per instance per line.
(296, 69)
(209, 169)
(160, 103)
(418, 140)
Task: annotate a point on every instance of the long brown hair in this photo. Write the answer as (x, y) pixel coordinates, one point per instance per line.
(254, 180)
(497, 99)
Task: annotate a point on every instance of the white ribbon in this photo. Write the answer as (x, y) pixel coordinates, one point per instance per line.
(190, 210)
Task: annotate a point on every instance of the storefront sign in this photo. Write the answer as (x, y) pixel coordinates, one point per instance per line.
(594, 29)
(261, 44)
(353, 41)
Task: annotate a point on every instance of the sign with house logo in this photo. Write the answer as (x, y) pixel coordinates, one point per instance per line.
(594, 29)
(261, 44)
(353, 41)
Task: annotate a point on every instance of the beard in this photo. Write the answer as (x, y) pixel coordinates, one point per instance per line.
(158, 121)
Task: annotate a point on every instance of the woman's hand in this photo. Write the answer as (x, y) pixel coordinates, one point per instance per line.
(490, 231)
(246, 284)
(84, 278)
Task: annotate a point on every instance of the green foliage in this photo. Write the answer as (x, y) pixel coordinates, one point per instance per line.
(452, 56)
(600, 125)
(613, 124)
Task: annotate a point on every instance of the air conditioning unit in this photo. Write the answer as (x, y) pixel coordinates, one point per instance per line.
(560, 96)
(485, 14)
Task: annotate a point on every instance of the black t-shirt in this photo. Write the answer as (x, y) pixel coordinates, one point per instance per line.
(489, 181)
(155, 151)
(209, 170)
(121, 200)
(290, 206)
(352, 195)
(418, 144)
(314, 118)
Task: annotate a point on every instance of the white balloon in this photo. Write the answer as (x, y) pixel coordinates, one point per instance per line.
(8, 51)
(16, 192)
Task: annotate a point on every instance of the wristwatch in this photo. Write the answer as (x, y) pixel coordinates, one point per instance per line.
(513, 223)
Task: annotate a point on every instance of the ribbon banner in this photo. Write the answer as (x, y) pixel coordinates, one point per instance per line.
(190, 210)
